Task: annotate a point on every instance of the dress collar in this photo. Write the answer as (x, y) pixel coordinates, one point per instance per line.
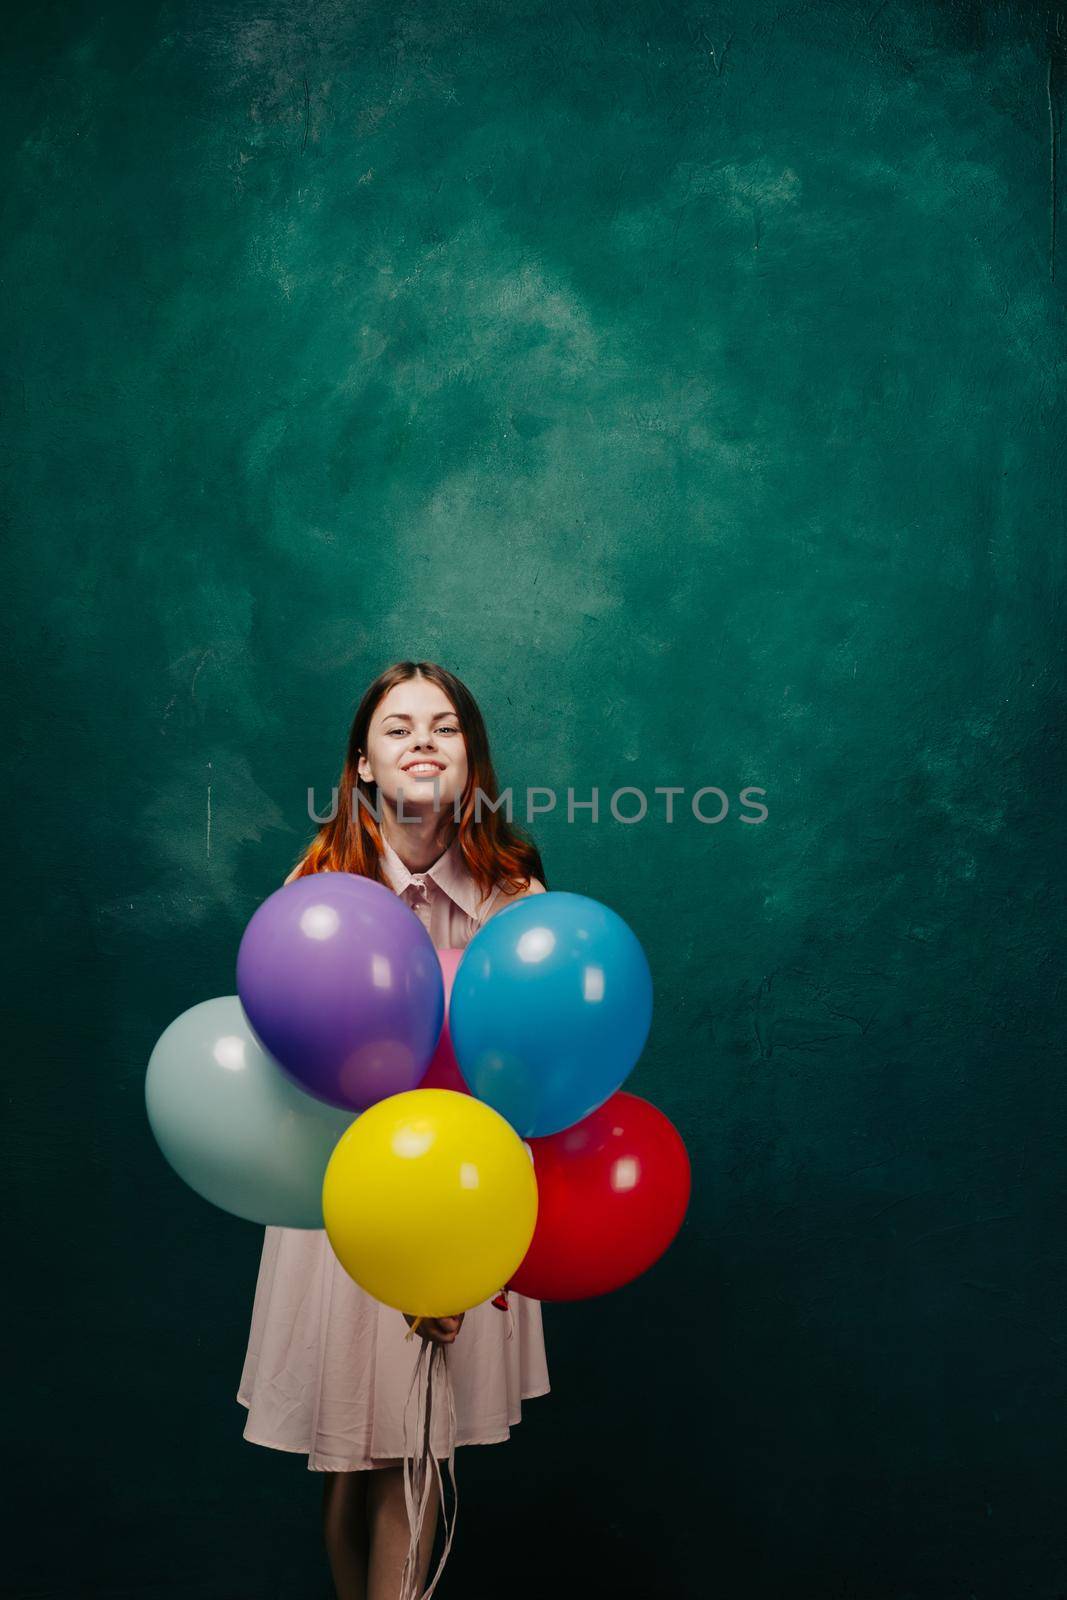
(449, 872)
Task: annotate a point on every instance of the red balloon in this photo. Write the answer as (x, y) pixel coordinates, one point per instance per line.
(611, 1194)
(443, 1069)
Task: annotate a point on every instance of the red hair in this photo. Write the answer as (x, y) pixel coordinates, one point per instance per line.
(494, 850)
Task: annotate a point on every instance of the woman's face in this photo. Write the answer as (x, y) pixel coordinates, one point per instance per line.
(414, 742)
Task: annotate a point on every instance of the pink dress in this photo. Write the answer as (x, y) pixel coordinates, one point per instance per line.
(328, 1370)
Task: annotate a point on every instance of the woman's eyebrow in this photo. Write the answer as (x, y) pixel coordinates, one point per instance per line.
(406, 716)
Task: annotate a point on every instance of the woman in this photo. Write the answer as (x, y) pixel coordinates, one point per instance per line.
(328, 1368)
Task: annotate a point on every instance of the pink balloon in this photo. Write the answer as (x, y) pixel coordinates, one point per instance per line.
(443, 1071)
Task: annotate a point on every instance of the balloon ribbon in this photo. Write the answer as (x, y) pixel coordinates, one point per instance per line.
(417, 1482)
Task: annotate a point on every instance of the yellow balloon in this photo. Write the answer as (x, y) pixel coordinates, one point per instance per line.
(430, 1201)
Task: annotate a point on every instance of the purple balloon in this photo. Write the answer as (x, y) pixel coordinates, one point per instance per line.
(341, 984)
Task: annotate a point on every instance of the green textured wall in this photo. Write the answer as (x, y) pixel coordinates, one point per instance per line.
(689, 379)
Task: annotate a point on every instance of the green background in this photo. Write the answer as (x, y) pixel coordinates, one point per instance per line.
(688, 379)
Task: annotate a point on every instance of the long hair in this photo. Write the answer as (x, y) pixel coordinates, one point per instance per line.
(495, 851)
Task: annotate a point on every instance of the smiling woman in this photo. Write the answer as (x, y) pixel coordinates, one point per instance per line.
(417, 714)
(328, 1369)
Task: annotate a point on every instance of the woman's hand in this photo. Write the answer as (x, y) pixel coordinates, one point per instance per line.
(437, 1330)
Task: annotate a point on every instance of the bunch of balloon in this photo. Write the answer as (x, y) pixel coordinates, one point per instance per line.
(550, 1009)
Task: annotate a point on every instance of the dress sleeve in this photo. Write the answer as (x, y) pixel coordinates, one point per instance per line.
(498, 899)
(494, 902)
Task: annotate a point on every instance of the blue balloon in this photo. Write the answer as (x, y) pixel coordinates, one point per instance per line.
(551, 1006)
